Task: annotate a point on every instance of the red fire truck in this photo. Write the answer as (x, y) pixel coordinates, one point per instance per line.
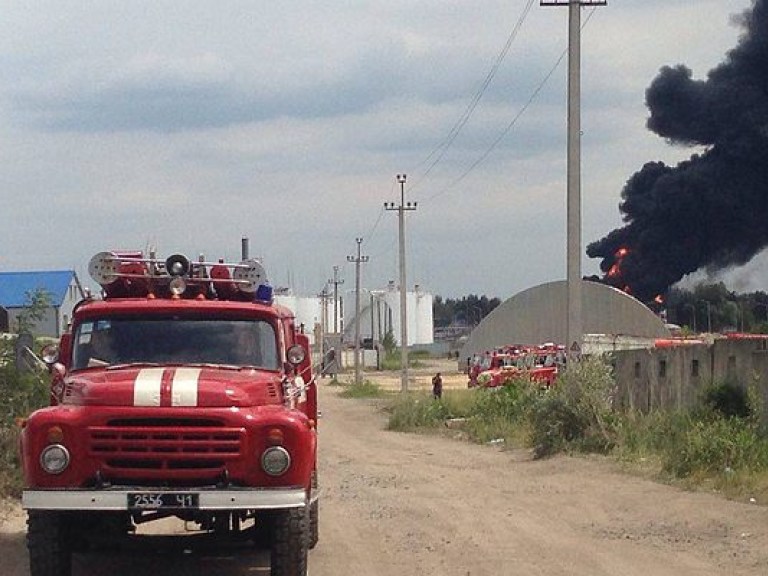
(186, 392)
(498, 367)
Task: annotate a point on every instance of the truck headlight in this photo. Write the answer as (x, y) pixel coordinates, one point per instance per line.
(275, 460)
(54, 459)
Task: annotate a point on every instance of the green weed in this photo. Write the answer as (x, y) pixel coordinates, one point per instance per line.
(365, 389)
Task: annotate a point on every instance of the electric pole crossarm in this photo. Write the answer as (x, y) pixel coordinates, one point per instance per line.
(567, 2)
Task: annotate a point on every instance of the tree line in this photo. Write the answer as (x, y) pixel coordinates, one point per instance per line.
(467, 311)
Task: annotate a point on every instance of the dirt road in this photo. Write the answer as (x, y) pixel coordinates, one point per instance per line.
(401, 505)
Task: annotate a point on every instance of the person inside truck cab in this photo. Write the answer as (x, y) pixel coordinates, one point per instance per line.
(101, 350)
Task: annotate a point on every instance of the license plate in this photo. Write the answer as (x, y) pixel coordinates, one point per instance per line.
(158, 500)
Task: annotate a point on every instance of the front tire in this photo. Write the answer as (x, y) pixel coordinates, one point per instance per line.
(49, 544)
(290, 542)
(314, 524)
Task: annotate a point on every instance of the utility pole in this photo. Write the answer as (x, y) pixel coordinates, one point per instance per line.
(575, 330)
(323, 327)
(357, 260)
(401, 209)
(335, 283)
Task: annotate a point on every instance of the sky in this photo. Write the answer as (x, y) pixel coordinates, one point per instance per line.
(187, 125)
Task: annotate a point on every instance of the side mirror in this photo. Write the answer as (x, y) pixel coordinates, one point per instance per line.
(50, 354)
(296, 354)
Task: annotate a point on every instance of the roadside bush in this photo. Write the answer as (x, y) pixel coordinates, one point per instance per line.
(715, 446)
(20, 394)
(10, 467)
(501, 413)
(411, 412)
(728, 399)
(489, 414)
(577, 412)
(644, 435)
(554, 425)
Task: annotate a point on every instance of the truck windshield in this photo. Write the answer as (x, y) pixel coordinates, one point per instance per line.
(175, 340)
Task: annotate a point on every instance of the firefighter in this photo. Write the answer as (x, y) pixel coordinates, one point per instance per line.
(437, 386)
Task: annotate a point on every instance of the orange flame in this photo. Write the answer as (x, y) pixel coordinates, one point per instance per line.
(659, 299)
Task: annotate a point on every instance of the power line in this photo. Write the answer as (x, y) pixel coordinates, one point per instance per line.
(513, 122)
(442, 148)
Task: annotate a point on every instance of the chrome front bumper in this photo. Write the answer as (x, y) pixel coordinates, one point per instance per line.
(117, 499)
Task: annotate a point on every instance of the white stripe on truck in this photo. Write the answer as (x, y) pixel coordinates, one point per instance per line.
(146, 389)
(184, 387)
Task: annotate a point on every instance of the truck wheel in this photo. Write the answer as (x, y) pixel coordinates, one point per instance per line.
(290, 542)
(49, 544)
(314, 529)
(314, 513)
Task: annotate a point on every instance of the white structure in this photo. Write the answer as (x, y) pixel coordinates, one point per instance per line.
(379, 309)
(380, 313)
(307, 310)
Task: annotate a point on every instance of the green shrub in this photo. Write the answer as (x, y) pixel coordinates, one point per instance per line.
(577, 412)
(10, 470)
(717, 446)
(21, 393)
(554, 425)
(490, 414)
(642, 435)
(728, 399)
(365, 389)
(411, 412)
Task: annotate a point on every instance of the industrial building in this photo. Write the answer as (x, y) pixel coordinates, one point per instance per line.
(379, 314)
(612, 320)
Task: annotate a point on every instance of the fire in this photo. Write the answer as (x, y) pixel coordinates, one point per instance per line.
(621, 252)
(659, 299)
(614, 271)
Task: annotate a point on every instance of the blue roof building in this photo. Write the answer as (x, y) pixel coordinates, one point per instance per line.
(62, 287)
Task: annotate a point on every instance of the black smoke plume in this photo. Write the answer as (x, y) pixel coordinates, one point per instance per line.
(710, 211)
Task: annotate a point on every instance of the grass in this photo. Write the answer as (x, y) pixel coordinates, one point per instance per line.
(11, 482)
(392, 361)
(713, 447)
(20, 394)
(365, 389)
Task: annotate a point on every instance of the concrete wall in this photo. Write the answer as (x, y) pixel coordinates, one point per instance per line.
(675, 378)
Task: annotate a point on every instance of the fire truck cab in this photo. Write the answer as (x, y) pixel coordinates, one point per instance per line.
(184, 391)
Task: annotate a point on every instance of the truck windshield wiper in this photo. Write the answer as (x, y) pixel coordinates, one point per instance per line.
(131, 365)
(214, 365)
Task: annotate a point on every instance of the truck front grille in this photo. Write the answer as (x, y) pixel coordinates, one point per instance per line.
(126, 447)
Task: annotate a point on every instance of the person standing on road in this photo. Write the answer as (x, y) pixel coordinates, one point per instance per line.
(437, 386)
